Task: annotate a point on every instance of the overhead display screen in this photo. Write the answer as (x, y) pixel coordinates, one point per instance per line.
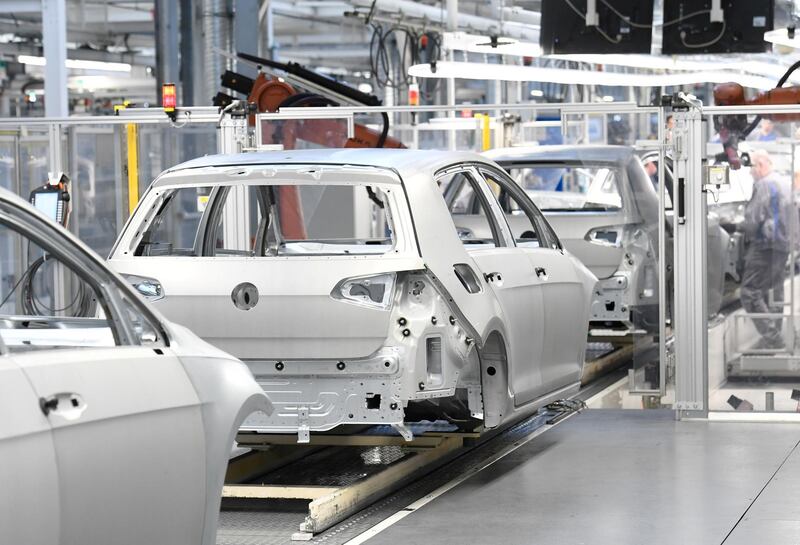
(688, 28)
(623, 26)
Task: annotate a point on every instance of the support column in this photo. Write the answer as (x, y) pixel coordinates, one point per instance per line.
(188, 54)
(452, 26)
(245, 33)
(690, 314)
(54, 33)
(167, 47)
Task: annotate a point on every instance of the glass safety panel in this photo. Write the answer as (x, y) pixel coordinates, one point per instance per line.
(304, 133)
(753, 242)
(96, 202)
(162, 147)
(33, 161)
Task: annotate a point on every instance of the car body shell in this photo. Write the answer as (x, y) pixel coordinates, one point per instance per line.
(325, 362)
(627, 290)
(144, 446)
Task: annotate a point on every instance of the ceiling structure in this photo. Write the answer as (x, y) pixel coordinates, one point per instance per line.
(333, 36)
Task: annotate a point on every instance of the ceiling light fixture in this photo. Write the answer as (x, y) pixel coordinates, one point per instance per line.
(78, 64)
(782, 36)
(508, 72)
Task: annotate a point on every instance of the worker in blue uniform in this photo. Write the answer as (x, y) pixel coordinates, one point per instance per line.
(771, 227)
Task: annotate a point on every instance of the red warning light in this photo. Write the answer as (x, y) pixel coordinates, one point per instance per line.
(169, 97)
(413, 94)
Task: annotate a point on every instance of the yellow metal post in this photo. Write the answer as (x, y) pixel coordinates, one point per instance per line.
(133, 166)
(486, 132)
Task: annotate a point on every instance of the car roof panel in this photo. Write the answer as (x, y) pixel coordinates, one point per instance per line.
(404, 161)
(585, 154)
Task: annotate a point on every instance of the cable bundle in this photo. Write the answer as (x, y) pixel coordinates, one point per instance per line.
(389, 67)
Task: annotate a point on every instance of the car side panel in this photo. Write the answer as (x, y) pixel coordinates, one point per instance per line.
(138, 411)
(228, 394)
(567, 291)
(441, 249)
(519, 292)
(29, 499)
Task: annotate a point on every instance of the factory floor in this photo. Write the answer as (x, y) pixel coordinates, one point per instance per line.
(620, 477)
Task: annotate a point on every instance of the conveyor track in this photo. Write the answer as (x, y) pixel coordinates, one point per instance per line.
(329, 490)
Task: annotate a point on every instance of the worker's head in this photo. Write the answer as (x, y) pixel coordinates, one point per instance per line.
(670, 122)
(760, 164)
(767, 126)
(651, 168)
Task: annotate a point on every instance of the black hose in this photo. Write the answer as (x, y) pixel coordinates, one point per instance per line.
(384, 132)
(306, 99)
(788, 73)
(784, 79)
(79, 306)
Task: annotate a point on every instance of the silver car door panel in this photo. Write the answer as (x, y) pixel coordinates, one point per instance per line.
(566, 288)
(29, 494)
(516, 286)
(135, 409)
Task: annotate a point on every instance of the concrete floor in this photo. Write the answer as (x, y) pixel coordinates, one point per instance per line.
(625, 477)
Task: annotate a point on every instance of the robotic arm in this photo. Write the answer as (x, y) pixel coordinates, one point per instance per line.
(735, 128)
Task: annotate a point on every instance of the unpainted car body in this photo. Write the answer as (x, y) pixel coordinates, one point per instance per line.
(610, 222)
(351, 296)
(116, 425)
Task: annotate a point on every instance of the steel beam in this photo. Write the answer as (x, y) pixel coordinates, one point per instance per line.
(167, 45)
(690, 315)
(246, 33)
(54, 33)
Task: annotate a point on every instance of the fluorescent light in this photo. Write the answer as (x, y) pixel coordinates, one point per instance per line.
(673, 63)
(780, 36)
(78, 64)
(537, 93)
(28, 59)
(608, 98)
(98, 65)
(508, 72)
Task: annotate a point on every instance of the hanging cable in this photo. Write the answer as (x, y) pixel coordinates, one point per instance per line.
(33, 306)
(625, 18)
(597, 28)
(675, 21)
(704, 44)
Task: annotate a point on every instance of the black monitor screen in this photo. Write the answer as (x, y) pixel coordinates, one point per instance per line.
(624, 26)
(688, 28)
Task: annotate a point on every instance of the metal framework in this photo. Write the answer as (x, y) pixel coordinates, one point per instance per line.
(690, 313)
(690, 318)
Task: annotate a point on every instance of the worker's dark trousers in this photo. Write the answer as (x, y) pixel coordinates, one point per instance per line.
(764, 269)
